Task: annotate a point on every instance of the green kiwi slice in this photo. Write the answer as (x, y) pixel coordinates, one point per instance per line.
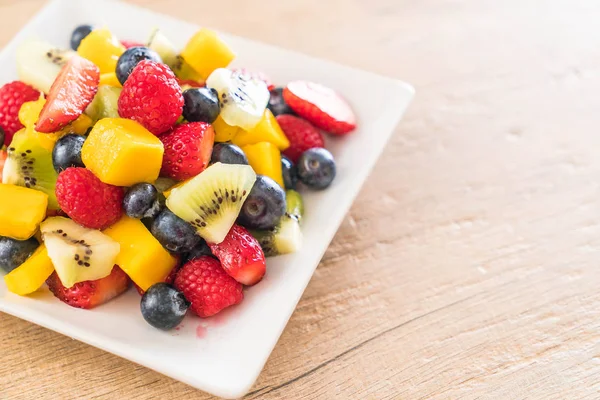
(77, 253)
(105, 103)
(286, 237)
(211, 201)
(39, 63)
(29, 164)
(163, 47)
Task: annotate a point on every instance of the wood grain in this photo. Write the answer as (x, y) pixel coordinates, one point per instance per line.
(469, 272)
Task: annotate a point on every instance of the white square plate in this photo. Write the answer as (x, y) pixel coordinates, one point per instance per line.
(222, 355)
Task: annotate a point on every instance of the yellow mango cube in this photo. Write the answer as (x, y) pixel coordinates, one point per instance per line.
(29, 113)
(110, 79)
(102, 48)
(31, 275)
(206, 52)
(223, 131)
(265, 159)
(267, 130)
(21, 211)
(142, 257)
(122, 152)
(79, 126)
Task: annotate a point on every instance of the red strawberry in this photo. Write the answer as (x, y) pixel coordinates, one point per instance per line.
(152, 97)
(241, 256)
(90, 294)
(70, 94)
(261, 76)
(131, 43)
(321, 106)
(12, 96)
(169, 279)
(3, 157)
(207, 286)
(188, 148)
(301, 134)
(87, 200)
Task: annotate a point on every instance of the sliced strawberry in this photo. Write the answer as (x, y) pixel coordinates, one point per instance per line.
(241, 256)
(70, 94)
(321, 106)
(90, 294)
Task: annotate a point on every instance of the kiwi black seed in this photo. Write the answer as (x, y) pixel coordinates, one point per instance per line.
(84, 253)
(58, 56)
(212, 207)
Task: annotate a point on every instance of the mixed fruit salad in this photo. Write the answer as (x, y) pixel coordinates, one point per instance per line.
(126, 162)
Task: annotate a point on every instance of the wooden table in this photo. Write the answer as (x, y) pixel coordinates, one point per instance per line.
(471, 271)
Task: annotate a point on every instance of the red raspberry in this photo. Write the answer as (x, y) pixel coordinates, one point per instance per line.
(188, 148)
(89, 294)
(12, 96)
(301, 134)
(206, 285)
(152, 97)
(87, 200)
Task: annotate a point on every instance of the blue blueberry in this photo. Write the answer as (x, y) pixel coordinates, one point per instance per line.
(79, 34)
(277, 104)
(264, 206)
(228, 153)
(201, 105)
(14, 252)
(142, 201)
(290, 173)
(67, 152)
(316, 168)
(131, 57)
(163, 306)
(200, 250)
(173, 233)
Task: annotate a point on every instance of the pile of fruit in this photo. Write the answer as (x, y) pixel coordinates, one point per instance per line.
(127, 162)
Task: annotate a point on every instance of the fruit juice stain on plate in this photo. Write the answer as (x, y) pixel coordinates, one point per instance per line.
(200, 331)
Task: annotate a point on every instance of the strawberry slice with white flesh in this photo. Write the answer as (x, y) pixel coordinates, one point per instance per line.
(70, 94)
